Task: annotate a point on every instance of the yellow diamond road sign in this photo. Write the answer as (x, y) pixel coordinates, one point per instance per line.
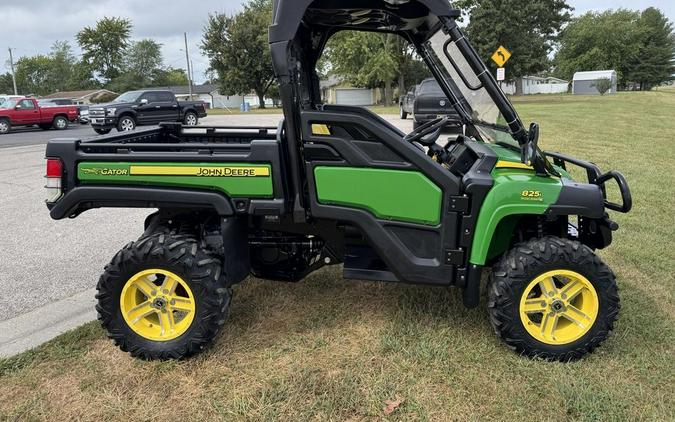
(501, 56)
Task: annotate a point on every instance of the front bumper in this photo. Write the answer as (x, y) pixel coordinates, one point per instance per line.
(103, 122)
(596, 177)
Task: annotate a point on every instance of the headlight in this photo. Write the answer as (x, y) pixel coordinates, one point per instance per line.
(110, 111)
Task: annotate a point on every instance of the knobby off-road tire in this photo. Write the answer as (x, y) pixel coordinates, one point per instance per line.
(517, 273)
(180, 256)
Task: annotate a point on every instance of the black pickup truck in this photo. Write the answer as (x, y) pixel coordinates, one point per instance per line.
(427, 102)
(149, 107)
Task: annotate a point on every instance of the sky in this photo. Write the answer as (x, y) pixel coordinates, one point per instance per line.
(31, 26)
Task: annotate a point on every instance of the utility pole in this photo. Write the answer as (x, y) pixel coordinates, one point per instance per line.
(187, 58)
(11, 65)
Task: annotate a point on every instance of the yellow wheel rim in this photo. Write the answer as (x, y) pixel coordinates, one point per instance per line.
(559, 307)
(157, 304)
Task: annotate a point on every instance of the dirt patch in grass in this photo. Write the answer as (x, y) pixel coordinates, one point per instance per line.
(330, 349)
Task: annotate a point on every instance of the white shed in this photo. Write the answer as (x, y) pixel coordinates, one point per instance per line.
(584, 82)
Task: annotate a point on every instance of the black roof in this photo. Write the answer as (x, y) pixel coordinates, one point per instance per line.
(377, 15)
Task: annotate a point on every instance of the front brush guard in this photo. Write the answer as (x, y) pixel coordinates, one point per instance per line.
(596, 177)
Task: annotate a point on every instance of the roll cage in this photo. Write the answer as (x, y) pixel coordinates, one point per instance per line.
(301, 29)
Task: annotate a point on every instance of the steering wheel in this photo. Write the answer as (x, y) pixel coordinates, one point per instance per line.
(428, 133)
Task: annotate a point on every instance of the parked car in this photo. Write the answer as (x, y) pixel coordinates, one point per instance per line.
(55, 102)
(406, 102)
(426, 103)
(27, 112)
(137, 108)
(5, 97)
(83, 116)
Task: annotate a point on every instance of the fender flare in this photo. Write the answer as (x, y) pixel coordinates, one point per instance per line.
(83, 198)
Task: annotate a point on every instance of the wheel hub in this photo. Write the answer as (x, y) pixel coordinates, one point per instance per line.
(559, 307)
(159, 303)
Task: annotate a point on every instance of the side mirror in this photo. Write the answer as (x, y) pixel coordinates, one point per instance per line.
(529, 154)
(144, 101)
(18, 107)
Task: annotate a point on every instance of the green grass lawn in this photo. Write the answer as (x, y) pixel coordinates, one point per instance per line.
(332, 349)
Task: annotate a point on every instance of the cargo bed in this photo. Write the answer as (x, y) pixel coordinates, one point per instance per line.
(173, 166)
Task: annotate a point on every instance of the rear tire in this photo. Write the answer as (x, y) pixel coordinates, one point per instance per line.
(5, 126)
(190, 119)
(60, 123)
(102, 131)
(126, 124)
(198, 284)
(544, 318)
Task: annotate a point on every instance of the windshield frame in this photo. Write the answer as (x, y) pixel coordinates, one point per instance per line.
(514, 126)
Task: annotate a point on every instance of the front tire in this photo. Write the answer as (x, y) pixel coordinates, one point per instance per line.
(552, 298)
(5, 126)
(404, 114)
(163, 297)
(126, 124)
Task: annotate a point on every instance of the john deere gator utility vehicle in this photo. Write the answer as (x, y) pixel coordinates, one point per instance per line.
(338, 184)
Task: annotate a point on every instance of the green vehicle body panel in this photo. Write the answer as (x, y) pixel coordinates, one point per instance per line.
(228, 178)
(515, 192)
(503, 153)
(388, 194)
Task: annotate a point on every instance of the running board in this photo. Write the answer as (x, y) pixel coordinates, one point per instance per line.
(362, 263)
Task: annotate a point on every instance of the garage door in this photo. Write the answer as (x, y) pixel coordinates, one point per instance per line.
(357, 97)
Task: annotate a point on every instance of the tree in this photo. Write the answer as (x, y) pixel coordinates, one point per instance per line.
(104, 46)
(238, 50)
(639, 46)
(170, 76)
(6, 85)
(61, 69)
(597, 41)
(374, 60)
(142, 63)
(654, 61)
(364, 59)
(82, 77)
(144, 59)
(602, 85)
(527, 28)
(34, 75)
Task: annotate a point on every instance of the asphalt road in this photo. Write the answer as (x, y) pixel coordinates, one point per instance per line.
(33, 136)
(42, 260)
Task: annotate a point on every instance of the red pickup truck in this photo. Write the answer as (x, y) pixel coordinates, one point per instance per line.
(27, 112)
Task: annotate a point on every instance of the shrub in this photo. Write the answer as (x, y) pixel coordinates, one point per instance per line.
(602, 85)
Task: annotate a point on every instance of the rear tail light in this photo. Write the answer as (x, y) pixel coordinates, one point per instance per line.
(53, 177)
